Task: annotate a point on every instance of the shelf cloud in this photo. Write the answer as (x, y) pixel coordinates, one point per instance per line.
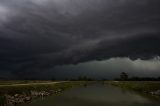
(42, 34)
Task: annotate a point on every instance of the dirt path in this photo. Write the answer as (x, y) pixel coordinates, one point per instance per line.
(33, 84)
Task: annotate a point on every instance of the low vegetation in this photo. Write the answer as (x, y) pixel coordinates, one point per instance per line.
(151, 87)
(13, 82)
(14, 93)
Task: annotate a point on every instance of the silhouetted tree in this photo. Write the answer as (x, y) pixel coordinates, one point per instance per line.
(124, 76)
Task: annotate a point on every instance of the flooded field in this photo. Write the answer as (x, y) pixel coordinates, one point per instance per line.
(96, 95)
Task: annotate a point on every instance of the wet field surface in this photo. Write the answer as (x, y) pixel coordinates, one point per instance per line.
(95, 95)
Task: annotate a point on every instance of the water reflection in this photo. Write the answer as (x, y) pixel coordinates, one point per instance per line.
(96, 95)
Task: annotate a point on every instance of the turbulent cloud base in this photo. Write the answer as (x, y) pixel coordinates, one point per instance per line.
(110, 68)
(107, 69)
(41, 34)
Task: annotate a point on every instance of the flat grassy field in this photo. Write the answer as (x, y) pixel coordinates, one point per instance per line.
(142, 86)
(11, 82)
(12, 88)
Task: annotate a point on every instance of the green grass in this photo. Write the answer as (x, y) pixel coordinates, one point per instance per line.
(13, 89)
(137, 85)
(10, 82)
(2, 101)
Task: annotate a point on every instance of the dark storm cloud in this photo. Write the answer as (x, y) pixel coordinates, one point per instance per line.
(110, 68)
(39, 34)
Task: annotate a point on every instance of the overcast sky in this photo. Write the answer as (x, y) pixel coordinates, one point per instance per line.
(70, 38)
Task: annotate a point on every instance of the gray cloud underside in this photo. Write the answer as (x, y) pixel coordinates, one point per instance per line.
(44, 33)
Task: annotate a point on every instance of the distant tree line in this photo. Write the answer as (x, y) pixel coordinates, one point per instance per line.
(144, 79)
(81, 78)
(124, 77)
